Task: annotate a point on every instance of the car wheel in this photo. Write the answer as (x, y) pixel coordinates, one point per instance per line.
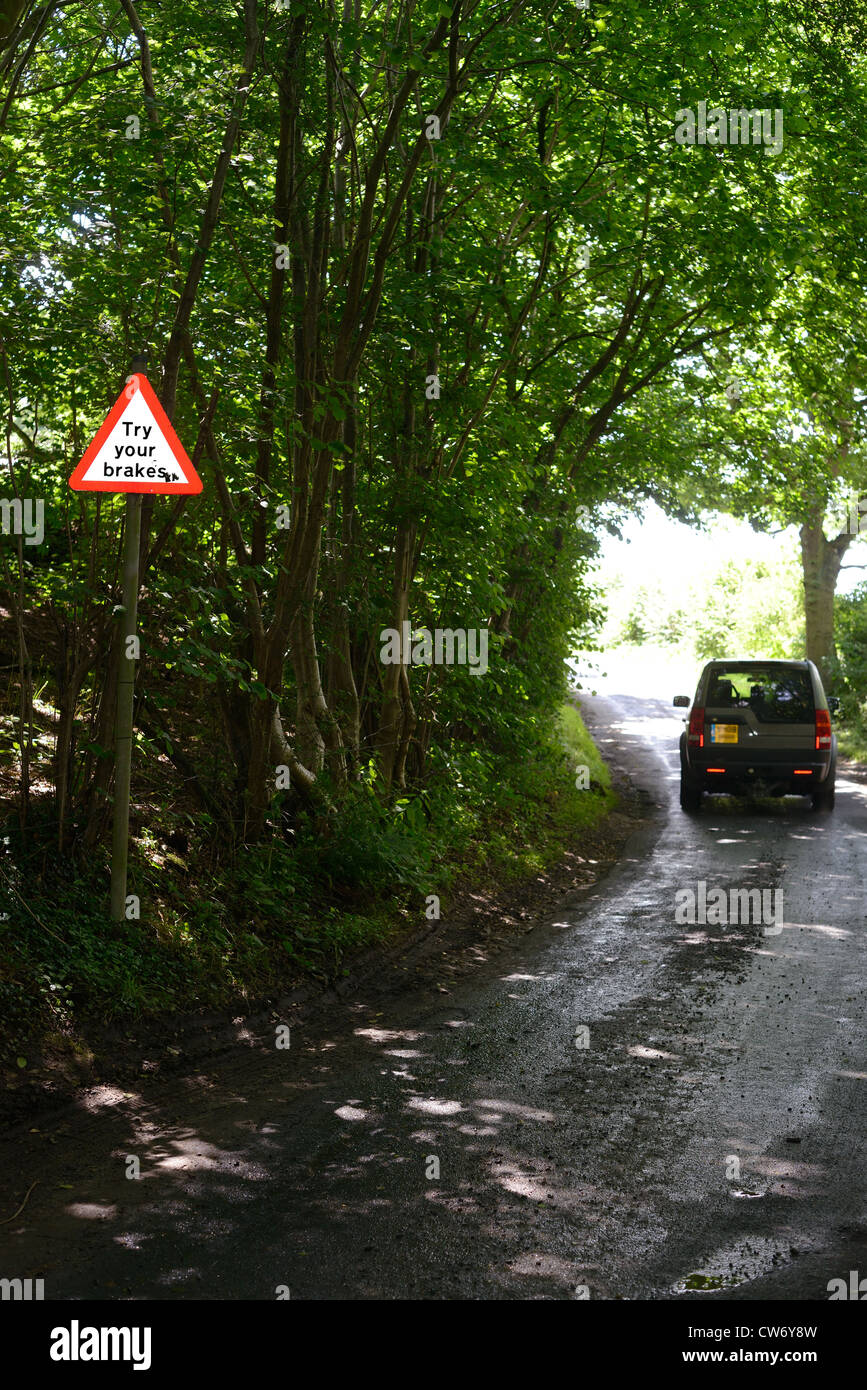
(690, 794)
(823, 799)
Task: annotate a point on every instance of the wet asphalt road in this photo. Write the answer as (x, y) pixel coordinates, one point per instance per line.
(708, 1142)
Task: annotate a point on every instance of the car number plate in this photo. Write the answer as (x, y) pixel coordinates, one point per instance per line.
(723, 733)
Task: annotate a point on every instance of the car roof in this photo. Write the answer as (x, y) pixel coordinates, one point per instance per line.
(753, 661)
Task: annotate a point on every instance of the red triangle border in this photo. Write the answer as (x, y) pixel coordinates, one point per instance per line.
(166, 428)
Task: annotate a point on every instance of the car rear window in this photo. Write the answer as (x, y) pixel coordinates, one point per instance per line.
(774, 696)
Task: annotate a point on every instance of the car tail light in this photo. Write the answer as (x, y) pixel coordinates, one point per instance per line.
(803, 771)
(714, 769)
(695, 733)
(823, 729)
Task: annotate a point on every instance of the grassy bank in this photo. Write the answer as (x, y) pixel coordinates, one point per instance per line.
(215, 932)
(852, 737)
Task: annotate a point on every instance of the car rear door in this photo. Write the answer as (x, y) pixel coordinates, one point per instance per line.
(767, 713)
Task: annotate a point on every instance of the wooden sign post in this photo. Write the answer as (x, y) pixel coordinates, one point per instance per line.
(126, 663)
(135, 451)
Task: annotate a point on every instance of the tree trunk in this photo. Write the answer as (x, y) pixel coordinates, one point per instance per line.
(69, 689)
(391, 718)
(99, 768)
(342, 697)
(821, 560)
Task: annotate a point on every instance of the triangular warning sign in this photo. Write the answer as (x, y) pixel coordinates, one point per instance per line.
(136, 449)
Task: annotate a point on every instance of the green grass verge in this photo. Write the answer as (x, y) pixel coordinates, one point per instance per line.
(852, 739)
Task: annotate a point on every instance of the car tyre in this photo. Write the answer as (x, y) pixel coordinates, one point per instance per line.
(823, 799)
(690, 793)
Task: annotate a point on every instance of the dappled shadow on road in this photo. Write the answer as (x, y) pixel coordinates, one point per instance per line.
(244, 1200)
(386, 1160)
(425, 1149)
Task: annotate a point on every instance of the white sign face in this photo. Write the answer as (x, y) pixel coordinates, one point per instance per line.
(136, 450)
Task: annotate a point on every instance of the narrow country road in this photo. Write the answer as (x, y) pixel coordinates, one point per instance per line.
(708, 1142)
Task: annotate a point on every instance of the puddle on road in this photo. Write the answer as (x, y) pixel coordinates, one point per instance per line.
(706, 1283)
(739, 1264)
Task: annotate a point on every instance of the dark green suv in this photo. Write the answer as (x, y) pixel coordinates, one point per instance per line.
(762, 727)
